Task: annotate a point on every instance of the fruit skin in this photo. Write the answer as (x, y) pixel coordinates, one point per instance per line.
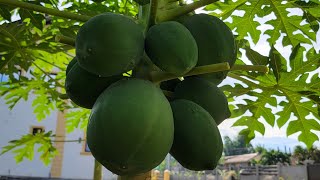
(215, 42)
(83, 88)
(197, 141)
(130, 130)
(171, 47)
(205, 94)
(109, 44)
(70, 65)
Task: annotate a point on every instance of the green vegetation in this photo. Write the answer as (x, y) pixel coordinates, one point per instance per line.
(236, 146)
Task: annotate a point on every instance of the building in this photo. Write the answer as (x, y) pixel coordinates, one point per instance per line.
(72, 162)
(237, 161)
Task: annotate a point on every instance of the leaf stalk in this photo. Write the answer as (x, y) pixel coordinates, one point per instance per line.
(166, 15)
(42, 9)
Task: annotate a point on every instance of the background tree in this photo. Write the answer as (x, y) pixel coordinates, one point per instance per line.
(34, 61)
(236, 146)
(300, 154)
(272, 157)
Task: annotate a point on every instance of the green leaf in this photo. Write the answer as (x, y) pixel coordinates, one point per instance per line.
(255, 57)
(36, 19)
(5, 12)
(252, 125)
(288, 25)
(277, 63)
(283, 23)
(77, 118)
(24, 147)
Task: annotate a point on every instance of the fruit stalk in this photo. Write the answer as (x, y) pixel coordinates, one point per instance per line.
(153, 12)
(65, 40)
(157, 77)
(42, 9)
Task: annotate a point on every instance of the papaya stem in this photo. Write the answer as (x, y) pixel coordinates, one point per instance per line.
(259, 68)
(166, 15)
(37, 8)
(97, 173)
(143, 176)
(153, 12)
(65, 40)
(157, 77)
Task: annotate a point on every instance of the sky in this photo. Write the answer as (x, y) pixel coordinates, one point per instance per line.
(274, 137)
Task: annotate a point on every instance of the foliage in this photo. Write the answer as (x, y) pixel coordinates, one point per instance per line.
(273, 157)
(237, 146)
(28, 46)
(301, 154)
(24, 147)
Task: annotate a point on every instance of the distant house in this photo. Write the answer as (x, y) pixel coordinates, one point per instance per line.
(237, 161)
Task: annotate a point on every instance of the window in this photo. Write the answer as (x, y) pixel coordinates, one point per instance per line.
(85, 148)
(36, 129)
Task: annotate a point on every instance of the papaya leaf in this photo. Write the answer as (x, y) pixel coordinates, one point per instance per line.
(255, 57)
(5, 12)
(77, 118)
(288, 24)
(277, 63)
(284, 22)
(24, 147)
(36, 19)
(252, 125)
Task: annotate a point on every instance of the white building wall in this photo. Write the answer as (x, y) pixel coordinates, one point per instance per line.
(14, 124)
(17, 122)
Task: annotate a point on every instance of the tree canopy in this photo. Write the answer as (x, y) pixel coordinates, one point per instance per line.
(34, 60)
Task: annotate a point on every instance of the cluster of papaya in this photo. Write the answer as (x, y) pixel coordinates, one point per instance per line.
(133, 125)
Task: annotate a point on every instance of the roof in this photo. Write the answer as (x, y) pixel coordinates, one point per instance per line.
(240, 158)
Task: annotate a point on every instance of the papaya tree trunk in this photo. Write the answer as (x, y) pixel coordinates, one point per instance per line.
(97, 173)
(144, 176)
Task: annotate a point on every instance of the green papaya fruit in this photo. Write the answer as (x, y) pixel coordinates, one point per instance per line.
(205, 94)
(130, 130)
(171, 47)
(83, 88)
(70, 65)
(215, 42)
(197, 141)
(109, 44)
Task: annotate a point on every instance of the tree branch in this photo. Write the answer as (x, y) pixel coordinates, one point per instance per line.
(42, 9)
